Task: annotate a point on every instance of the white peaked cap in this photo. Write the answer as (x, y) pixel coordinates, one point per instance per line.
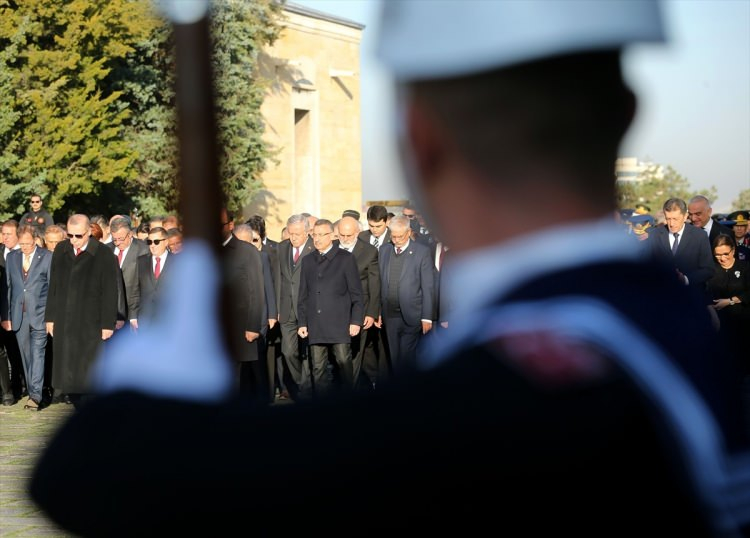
(428, 39)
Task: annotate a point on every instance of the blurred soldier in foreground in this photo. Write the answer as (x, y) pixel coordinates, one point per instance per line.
(553, 406)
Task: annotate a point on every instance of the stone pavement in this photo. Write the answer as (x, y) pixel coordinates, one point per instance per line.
(23, 437)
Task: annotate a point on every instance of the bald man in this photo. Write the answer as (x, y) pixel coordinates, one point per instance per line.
(366, 345)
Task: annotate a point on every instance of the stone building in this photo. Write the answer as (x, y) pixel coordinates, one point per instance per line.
(312, 115)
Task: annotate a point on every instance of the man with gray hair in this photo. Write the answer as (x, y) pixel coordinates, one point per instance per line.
(127, 249)
(293, 348)
(699, 213)
(366, 346)
(406, 294)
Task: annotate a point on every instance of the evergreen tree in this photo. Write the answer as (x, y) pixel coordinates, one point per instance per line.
(87, 107)
(742, 202)
(62, 132)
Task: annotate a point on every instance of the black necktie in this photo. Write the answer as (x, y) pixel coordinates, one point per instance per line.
(676, 242)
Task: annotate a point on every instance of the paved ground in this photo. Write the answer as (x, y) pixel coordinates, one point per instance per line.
(23, 436)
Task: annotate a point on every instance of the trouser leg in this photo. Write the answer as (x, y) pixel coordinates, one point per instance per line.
(319, 356)
(5, 386)
(295, 357)
(343, 356)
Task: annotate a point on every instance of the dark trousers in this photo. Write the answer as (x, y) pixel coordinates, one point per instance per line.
(367, 366)
(274, 360)
(402, 343)
(253, 381)
(32, 343)
(342, 354)
(294, 350)
(11, 367)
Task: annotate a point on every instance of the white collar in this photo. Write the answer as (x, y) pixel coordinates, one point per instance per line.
(479, 277)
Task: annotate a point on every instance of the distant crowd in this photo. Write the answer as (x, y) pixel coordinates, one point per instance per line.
(348, 317)
(69, 287)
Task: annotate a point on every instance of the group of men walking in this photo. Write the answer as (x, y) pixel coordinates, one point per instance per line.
(61, 299)
(331, 307)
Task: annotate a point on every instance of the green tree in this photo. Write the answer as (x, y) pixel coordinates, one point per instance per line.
(657, 185)
(241, 29)
(62, 132)
(742, 202)
(87, 107)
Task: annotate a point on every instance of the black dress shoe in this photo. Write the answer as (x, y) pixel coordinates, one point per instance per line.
(8, 401)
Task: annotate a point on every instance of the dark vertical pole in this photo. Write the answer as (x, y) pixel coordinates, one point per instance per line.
(199, 186)
(200, 189)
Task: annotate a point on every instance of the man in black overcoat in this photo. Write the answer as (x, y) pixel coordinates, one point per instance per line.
(243, 269)
(81, 305)
(366, 345)
(330, 309)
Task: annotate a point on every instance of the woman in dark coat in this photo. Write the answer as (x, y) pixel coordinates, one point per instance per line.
(730, 290)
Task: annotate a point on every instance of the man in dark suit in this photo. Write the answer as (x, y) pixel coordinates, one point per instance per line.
(366, 345)
(682, 246)
(11, 378)
(291, 253)
(378, 233)
(329, 308)
(699, 213)
(127, 249)
(561, 386)
(6, 390)
(243, 269)
(441, 303)
(406, 293)
(274, 357)
(28, 284)
(81, 306)
(153, 274)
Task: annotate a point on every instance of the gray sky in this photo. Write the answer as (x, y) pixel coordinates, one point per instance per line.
(694, 98)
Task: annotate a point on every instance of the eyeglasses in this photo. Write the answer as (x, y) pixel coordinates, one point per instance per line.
(154, 241)
(77, 236)
(722, 254)
(36, 201)
(318, 236)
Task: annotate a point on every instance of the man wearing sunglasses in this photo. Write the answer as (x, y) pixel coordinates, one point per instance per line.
(81, 306)
(153, 268)
(37, 217)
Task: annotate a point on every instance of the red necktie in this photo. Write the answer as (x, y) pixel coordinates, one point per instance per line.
(157, 269)
(78, 251)
(119, 258)
(398, 250)
(296, 254)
